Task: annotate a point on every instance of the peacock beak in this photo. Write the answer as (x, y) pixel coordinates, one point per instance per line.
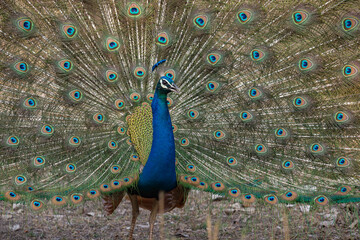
(174, 88)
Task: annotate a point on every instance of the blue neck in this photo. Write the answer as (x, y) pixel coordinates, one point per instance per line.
(159, 172)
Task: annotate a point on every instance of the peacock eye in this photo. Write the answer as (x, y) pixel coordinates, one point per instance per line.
(200, 21)
(134, 10)
(300, 16)
(244, 16)
(350, 23)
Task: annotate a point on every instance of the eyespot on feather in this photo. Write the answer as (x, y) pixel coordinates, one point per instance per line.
(190, 168)
(76, 198)
(30, 103)
(231, 161)
(287, 164)
(75, 95)
(213, 58)
(281, 133)
(12, 196)
(248, 198)
(69, 31)
(39, 161)
(169, 101)
(140, 72)
(193, 114)
(202, 185)
(98, 118)
(58, 201)
(219, 135)
(20, 180)
(121, 130)
(184, 142)
(170, 74)
(135, 157)
(93, 194)
(306, 64)
(70, 168)
(116, 184)
(74, 141)
(261, 149)
(111, 76)
(134, 10)
(349, 24)
(112, 145)
(184, 178)
(255, 93)
(112, 44)
(246, 116)
(321, 200)
(317, 148)
(289, 196)
(105, 188)
(150, 97)
(119, 104)
(47, 130)
(300, 102)
(257, 55)
(300, 17)
(234, 192)
(115, 169)
(212, 86)
(193, 180)
(174, 128)
(272, 199)
(36, 204)
(218, 186)
(244, 16)
(135, 97)
(342, 117)
(343, 190)
(128, 180)
(21, 67)
(162, 39)
(200, 21)
(342, 162)
(12, 141)
(350, 70)
(65, 65)
(25, 24)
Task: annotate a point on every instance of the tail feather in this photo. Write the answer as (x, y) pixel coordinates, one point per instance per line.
(268, 105)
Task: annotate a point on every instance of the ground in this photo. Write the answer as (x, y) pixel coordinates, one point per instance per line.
(229, 220)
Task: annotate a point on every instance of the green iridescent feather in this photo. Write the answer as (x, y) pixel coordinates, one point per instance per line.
(287, 66)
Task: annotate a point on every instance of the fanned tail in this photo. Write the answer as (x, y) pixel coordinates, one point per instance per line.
(268, 106)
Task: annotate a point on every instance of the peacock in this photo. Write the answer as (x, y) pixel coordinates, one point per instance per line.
(258, 101)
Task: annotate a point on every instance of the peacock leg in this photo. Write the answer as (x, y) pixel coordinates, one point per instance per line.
(135, 214)
(152, 218)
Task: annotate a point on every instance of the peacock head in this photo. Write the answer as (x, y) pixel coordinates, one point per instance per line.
(166, 85)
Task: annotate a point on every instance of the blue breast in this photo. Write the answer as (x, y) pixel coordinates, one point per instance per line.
(159, 172)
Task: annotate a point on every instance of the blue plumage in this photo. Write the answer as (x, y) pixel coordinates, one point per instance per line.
(159, 171)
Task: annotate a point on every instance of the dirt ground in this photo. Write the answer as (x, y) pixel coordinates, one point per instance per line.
(229, 220)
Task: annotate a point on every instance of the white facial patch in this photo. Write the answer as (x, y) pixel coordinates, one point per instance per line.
(164, 84)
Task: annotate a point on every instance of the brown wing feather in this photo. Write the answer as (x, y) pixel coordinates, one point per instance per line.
(112, 201)
(172, 199)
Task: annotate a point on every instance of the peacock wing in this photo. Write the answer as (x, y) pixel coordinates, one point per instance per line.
(140, 131)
